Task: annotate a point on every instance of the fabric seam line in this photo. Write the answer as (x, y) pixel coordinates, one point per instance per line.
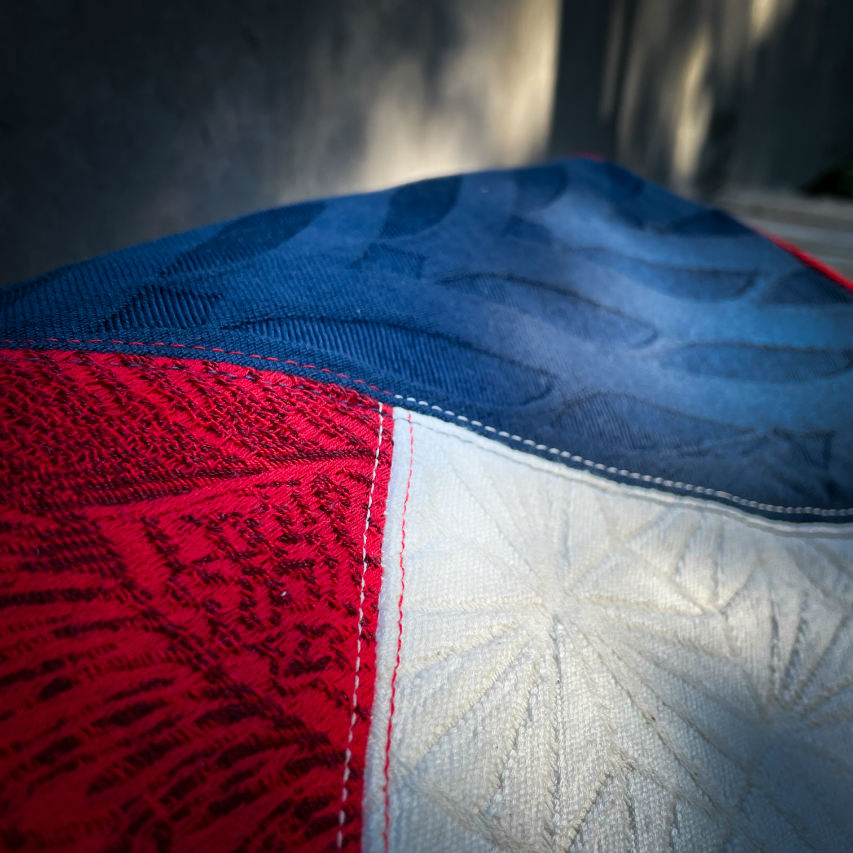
(543, 448)
(348, 751)
(327, 395)
(393, 689)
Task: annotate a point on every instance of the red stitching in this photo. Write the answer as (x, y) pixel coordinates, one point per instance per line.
(225, 376)
(387, 766)
(319, 440)
(556, 452)
(204, 349)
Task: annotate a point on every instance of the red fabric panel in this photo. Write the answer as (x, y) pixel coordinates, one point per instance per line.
(183, 552)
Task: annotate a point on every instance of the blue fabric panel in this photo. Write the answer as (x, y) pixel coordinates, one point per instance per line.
(572, 305)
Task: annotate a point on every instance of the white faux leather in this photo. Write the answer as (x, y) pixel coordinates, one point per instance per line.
(585, 665)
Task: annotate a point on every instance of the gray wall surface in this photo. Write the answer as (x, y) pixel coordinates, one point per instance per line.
(124, 122)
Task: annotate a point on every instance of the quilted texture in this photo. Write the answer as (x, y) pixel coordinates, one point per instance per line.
(571, 664)
(189, 566)
(570, 310)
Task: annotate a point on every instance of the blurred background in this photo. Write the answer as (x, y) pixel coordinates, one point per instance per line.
(125, 122)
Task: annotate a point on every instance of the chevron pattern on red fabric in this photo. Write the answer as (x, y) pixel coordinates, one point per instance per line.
(189, 574)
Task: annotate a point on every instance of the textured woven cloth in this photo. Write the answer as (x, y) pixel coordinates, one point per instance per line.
(509, 511)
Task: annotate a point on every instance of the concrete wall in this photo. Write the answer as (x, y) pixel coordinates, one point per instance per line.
(124, 122)
(707, 93)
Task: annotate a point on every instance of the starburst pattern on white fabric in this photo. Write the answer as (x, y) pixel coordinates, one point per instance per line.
(587, 665)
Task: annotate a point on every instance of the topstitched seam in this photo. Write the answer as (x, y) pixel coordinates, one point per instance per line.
(332, 398)
(603, 483)
(348, 751)
(544, 448)
(392, 706)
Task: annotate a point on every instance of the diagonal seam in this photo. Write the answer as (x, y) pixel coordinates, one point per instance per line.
(490, 430)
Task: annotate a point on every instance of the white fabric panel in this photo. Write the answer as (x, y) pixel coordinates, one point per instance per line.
(586, 665)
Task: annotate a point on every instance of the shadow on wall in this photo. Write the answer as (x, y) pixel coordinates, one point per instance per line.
(706, 94)
(131, 121)
(124, 124)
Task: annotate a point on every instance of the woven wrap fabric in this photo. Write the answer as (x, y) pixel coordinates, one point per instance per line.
(188, 599)
(572, 308)
(505, 511)
(569, 663)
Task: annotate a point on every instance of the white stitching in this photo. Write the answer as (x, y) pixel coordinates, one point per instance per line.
(645, 478)
(530, 461)
(572, 457)
(348, 754)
